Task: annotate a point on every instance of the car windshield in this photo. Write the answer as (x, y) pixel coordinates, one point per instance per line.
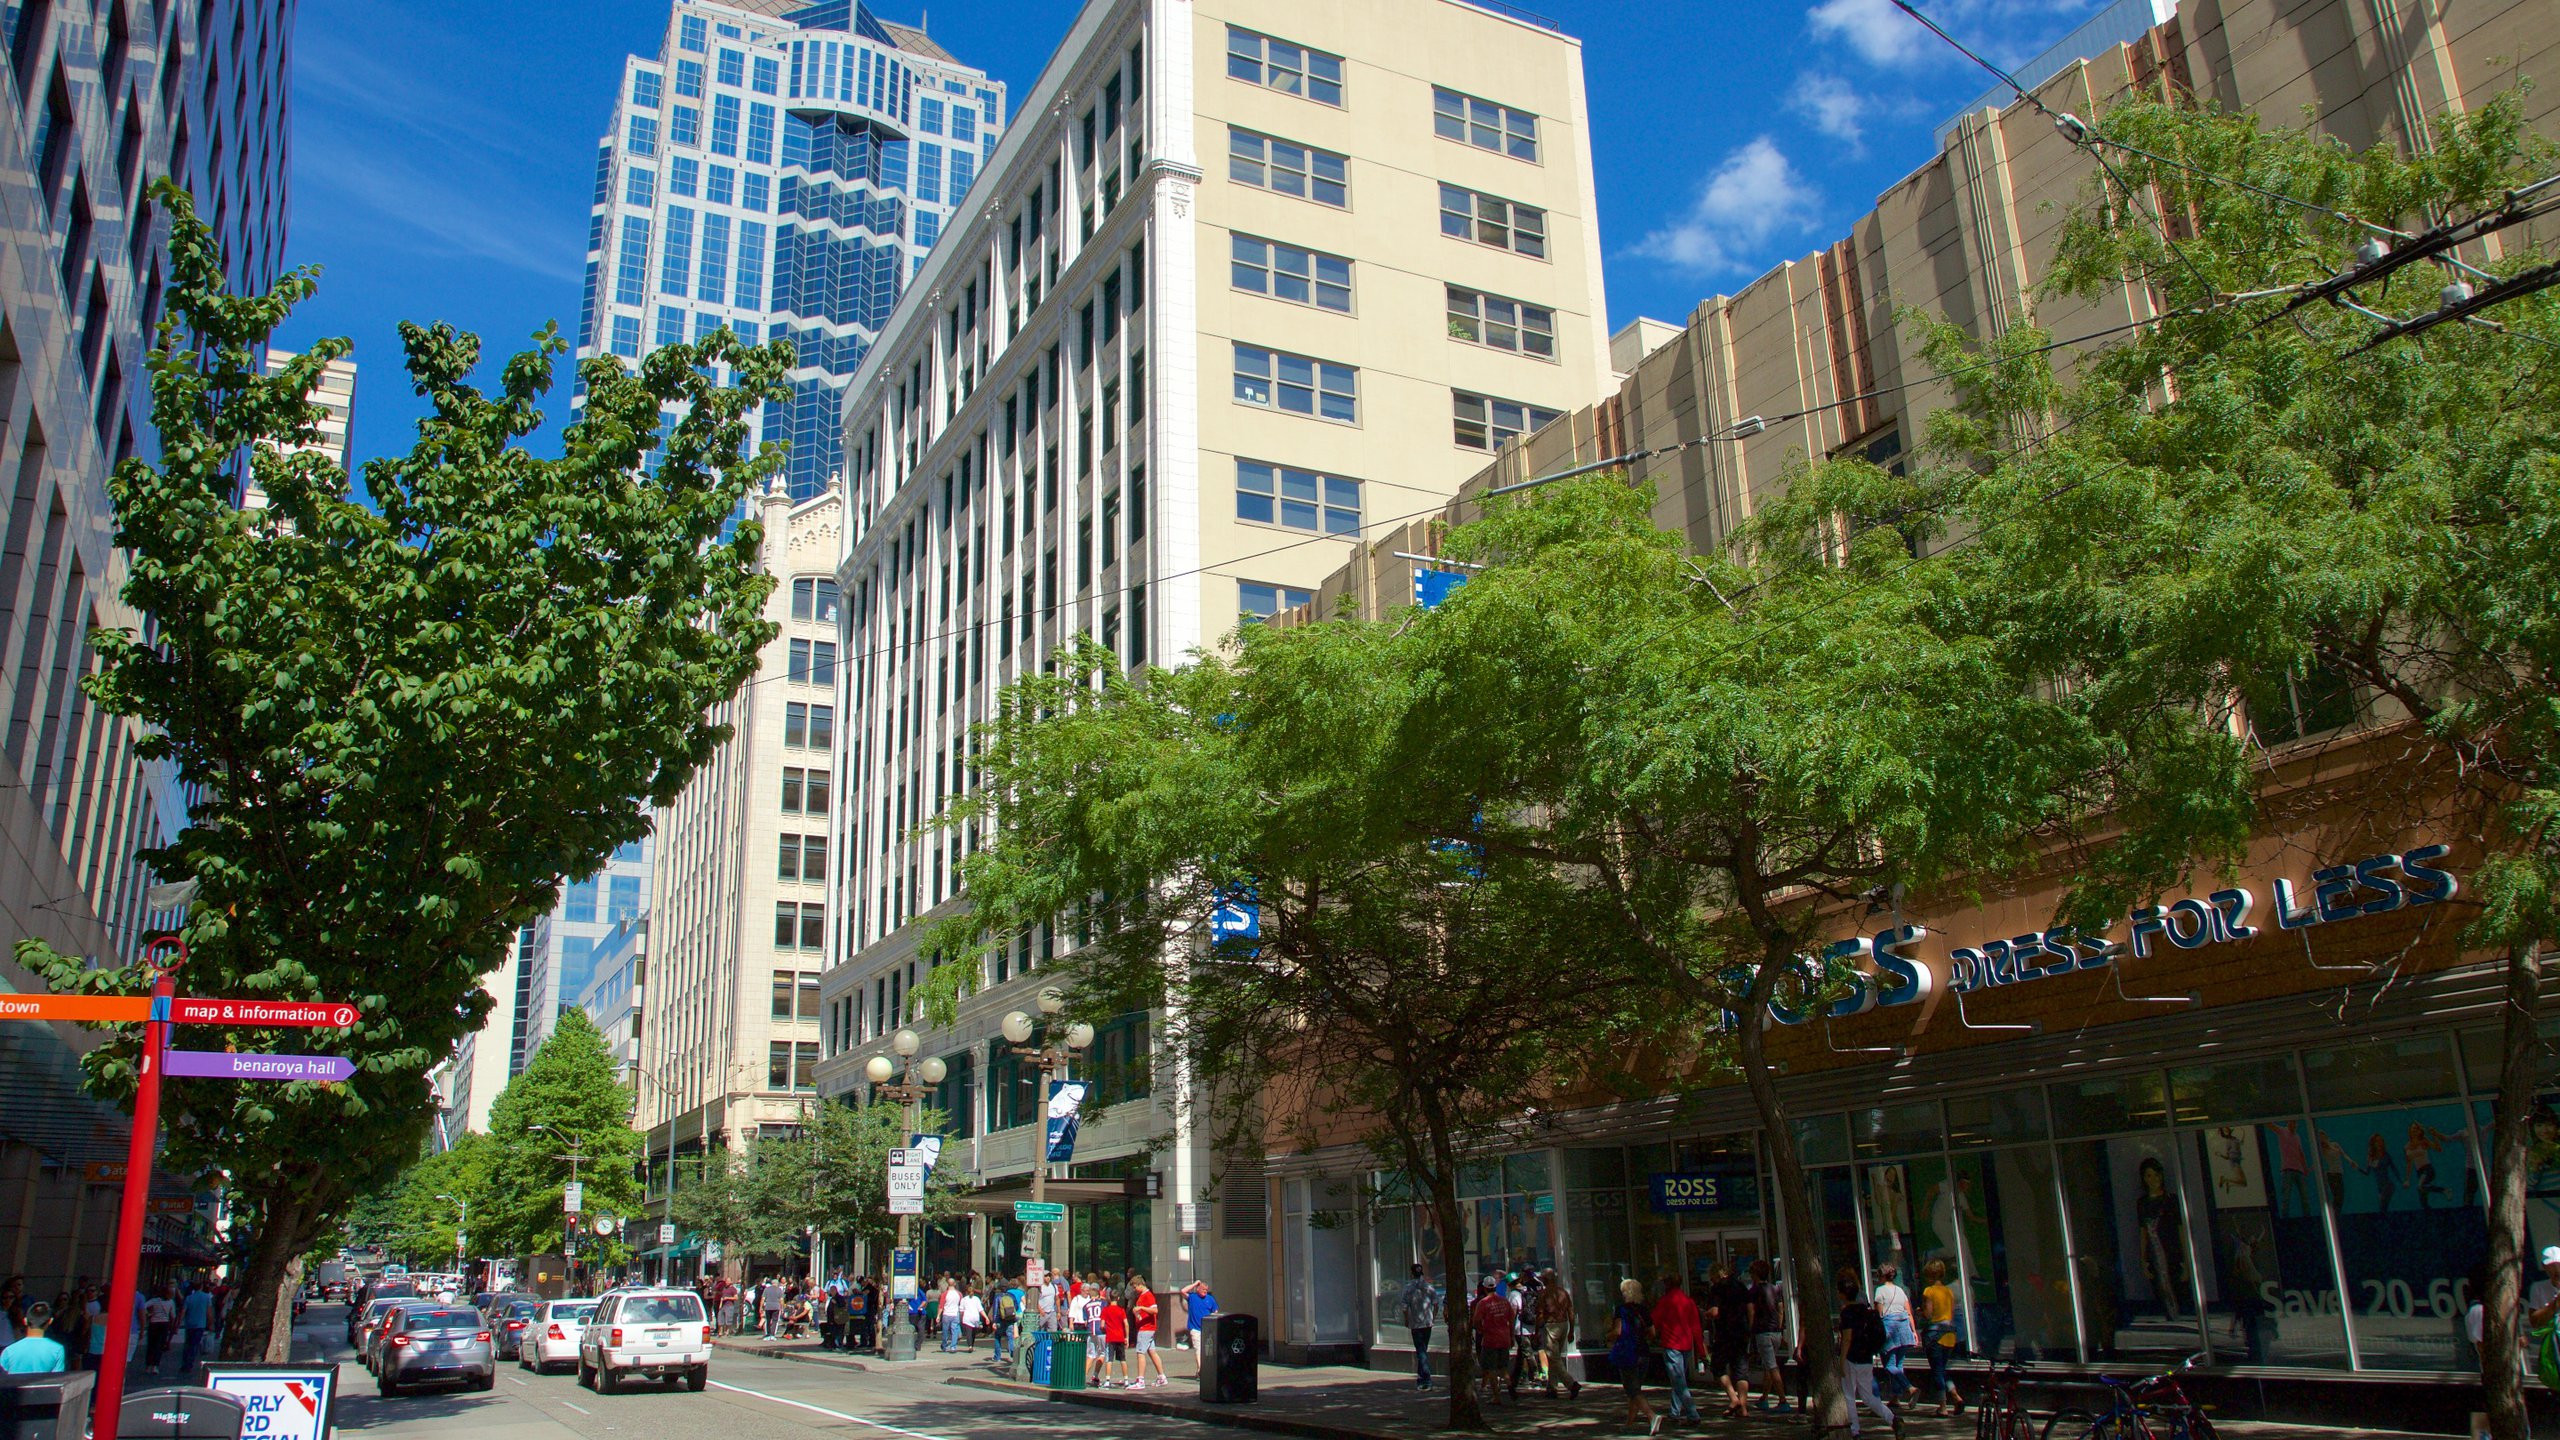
(521, 1311)
(580, 1313)
(377, 1310)
(443, 1320)
(661, 1310)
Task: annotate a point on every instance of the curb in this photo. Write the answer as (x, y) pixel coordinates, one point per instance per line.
(1198, 1414)
(778, 1352)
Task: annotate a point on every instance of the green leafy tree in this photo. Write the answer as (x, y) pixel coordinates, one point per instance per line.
(2313, 516)
(723, 1197)
(403, 722)
(566, 1115)
(1420, 980)
(832, 1178)
(423, 1211)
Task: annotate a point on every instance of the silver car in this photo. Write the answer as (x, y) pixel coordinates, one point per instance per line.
(428, 1344)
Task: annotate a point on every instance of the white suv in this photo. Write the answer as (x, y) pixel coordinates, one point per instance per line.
(661, 1334)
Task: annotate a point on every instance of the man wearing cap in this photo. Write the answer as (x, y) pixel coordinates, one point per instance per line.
(1492, 1319)
(2539, 1300)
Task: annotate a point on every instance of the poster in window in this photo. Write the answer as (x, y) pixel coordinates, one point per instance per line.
(2233, 1166)
(1888, 1200)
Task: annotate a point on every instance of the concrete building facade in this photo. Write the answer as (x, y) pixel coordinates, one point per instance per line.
(1247, 282)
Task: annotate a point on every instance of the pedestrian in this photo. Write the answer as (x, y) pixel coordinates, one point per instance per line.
(1491, 1319)
(1198, 1304)
(973, 1317)
(1938, 1335)
(947, 1313)
(1628, 1354)
(1419, 1306)
(1901, 1334)
(1115, 1341)
(866, 1314)
(769, 1303)
(1555, 1336)
(97, 1318)
(1729, 1338)
(1006, 1320)
(1676, 1330)
(1144, 1314)
(1096, 1340)
(1524, 1329)
(728, 1308)
(1860, 1332)
(1768, 1337)
(159, 1318)
(830, 1317)
(35, 1353)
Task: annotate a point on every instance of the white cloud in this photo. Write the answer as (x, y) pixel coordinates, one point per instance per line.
(2008, 31)
(1879, 33)
(1752, 198)
(1832, 105)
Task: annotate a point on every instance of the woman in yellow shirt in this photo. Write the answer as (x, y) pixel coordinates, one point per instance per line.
(1938, 1334)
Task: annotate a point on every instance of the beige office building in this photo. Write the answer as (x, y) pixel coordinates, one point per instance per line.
(1245, 283)
(727, 1044)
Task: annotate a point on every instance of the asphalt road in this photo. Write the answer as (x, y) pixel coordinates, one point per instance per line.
(749, 1399)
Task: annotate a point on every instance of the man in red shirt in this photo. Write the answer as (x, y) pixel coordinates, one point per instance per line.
(1144, 1328)
(1492, 1318)
(1676, 1329)
(1115, 1341)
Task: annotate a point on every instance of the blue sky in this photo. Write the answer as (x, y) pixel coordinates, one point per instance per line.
(444, 153)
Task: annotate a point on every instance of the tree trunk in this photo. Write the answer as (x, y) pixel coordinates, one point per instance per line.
(1806, 1281)
(2502, 1309)
(1442, 1178)
(260, 1327)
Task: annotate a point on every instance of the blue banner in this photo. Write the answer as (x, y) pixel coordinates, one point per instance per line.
(1238, 916)
(924, 1150)
(1066, 1097)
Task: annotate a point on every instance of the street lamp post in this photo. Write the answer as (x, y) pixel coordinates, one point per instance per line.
(461, 1228)
(898, 1342)
(568, 1226)
(1029, 1039)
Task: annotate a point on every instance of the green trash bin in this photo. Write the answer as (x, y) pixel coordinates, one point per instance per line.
(1066, 1363)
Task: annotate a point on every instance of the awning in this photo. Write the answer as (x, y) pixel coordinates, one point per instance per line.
(999, 1199)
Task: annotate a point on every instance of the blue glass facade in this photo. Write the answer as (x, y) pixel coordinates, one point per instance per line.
(762, 174)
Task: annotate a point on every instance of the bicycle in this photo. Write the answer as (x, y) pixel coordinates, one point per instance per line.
(1997, 1415)
(2150, 1408)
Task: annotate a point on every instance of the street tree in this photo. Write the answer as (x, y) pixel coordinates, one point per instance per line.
(403, 719)
(1412, 984)
(2281, 507)
(567, 1116)
(442, 1197)
(720, 1197)
(1728, 747)
(831, 1179)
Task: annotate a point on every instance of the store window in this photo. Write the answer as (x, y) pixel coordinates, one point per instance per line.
(2401, 1173)
(2136, 1265)
(2268, 1280)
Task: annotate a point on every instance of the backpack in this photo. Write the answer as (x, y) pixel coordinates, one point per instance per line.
(1005, 1310)
(1764, 1308)
(1868, 1330)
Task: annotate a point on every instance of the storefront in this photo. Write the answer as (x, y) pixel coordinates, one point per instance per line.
(2246, 1131)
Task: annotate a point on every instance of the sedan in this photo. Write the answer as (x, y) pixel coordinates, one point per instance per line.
(437, 1343)
(510, 1322)
(551, 1341)
(362, 1325)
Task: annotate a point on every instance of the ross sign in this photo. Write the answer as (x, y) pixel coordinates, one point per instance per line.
(1039, 1212)
(906, 1190)
(666, 1234)
(902, 1272)
(573, 1197)
(1430, 587)
(1880, 973)
(93, 1008)
(263, 1012)
(285, 1402)
(1728, 1189)
(256, 1065)
(1066, 1098)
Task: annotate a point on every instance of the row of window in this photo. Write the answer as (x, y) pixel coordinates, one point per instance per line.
(1316, 75)
(814, 598)
(1259, 601)
(1304, 385)
(791, 1065)
(795, 995)
(803, 860)
(621, 895)
(1312, 277)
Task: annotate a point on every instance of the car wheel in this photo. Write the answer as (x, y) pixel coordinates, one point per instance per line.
(387, 1386)
(604, 1380)
(488, 1381)
(586, 1373)
(698, 1377)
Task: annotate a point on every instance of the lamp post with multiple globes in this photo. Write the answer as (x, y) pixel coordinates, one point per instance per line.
(1029, 1039)
(898, 1342)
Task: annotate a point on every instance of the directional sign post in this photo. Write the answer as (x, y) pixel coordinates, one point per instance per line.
(252, 1065)
(337, 1013)
(127, 1008)
(1035, 1212)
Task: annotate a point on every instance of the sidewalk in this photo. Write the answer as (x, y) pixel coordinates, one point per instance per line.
(807, 1349)
(1342, 1403)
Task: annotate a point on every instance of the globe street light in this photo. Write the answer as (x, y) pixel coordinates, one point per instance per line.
(898, 1342)
(1019, 1031)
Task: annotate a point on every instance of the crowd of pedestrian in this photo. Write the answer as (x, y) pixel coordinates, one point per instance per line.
(179, 1319)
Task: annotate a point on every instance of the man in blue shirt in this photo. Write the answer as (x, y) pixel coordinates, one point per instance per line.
(195, 1313)
(35, 1355)
(1198, 1304)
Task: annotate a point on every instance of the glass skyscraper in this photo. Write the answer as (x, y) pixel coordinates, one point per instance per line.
(780, 168)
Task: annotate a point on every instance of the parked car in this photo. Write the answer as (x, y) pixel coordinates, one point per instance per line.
(656, 1333)
(380, 1330)
(509, 1322)
(552, 1338)
(437, 1343)
(360, 1322)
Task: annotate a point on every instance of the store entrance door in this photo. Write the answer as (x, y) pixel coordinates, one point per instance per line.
(1702, 1249)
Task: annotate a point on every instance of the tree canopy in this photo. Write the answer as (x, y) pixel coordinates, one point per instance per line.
(567, 1102)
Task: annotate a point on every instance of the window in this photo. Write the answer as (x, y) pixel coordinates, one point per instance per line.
(768, 75)
(808, 727)
(1289, 69)
(1484, 125)
(786, 993)
(1484, 423)
(808, 996)
(733, 67)
(813, 599)
(684, 174)
(801, 859)
(626, 336)
(1490, 220)
(1298, 499)
(1263, 601)
(684, 125)
(1272, 164)
(804, 792)
(1295, 383)
(788, 868)
(1285, 272)
(644, 88)
(578, 903)
(798, 926)
(642, 136)
(724, 124)
(777, 1073)
(640, 187)
(689, 78)
(689, 33)
(622, 898)
(1502, 324)
(813, 662)
(675, 258)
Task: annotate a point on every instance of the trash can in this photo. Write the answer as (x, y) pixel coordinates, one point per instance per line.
(46, 1407)
(1231, 1349)
(1041, 1346)
(181, 1412)
(1066, 1362)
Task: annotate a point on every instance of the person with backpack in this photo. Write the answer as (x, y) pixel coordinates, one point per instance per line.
(1007, 1321)
(1768, 1338)
(1860, 1332)
(1628, 1353)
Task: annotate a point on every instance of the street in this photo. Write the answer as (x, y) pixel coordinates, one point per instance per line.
(749, 1399)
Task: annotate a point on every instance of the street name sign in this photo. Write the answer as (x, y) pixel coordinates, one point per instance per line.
(263, 1012)
(251, 1065)
(1039, 1212)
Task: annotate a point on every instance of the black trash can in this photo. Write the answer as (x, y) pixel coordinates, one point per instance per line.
(181, 1412)
(46, 1407)
(1232, 1349)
